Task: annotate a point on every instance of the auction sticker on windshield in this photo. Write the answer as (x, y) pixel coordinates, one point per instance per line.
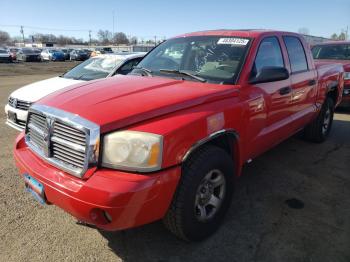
(233, 41)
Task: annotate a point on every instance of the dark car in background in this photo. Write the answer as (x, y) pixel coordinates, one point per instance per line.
(88, 51)
(5, 55)
(66, 53)
(80, 55)
(38, 50)
(28, 55)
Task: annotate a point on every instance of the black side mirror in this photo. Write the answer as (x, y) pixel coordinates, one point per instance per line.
(269, 74)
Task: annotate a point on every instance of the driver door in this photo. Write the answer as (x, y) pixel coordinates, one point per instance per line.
(269, 103)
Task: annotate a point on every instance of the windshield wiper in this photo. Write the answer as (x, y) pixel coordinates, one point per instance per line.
(148, 71)
(181, 72)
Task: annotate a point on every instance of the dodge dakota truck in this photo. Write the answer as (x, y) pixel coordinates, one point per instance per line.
(336, 52)
(168, 141)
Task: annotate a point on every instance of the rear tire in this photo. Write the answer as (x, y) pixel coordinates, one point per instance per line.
(319, 129)
(203, 195)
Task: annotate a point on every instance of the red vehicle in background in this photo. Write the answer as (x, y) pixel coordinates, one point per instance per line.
(13, 51)
(169, 140)
(336, 52)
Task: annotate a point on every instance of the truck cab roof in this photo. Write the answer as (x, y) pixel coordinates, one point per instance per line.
(251, 33)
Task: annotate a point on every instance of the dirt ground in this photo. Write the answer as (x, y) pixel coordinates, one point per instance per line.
(291, 204)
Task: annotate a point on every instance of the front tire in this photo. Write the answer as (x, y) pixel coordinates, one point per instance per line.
(319, 129)
(203, 195)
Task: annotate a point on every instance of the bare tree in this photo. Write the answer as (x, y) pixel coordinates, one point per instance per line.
(134, 40)
(304, 31)
(120, 38)
(64, 40)
(334, 36)
(342, 36)
(4, 37)
(104, 36)
(44, 37)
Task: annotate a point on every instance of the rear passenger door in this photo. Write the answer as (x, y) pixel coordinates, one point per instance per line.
(303, 82)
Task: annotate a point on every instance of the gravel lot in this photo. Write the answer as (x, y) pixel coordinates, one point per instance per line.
(261, 225)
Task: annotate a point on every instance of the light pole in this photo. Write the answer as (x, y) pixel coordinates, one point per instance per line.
(113, 27)
(22, 32)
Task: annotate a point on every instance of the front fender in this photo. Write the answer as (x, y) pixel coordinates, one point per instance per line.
(185, 130)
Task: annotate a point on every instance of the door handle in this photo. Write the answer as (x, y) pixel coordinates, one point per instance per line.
(312, 82)
(285, 90)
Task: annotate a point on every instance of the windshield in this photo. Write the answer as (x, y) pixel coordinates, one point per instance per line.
(336, 51)
(27, 51)
(3, 51)
(94, 68)
(216, 59)
(107, 49)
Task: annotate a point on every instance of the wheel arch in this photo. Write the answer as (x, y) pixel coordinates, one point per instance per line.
(333, 91)
(227, 139)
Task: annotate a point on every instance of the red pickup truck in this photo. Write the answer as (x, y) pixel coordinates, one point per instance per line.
(336, 52)
(169, 140)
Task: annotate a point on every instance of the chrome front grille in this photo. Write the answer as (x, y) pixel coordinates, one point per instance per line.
(19, 104)
(36, 131)
(65, 140)
(68, 144)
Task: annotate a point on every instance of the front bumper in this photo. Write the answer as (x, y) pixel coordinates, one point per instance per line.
(5, 59)
(21, 117)
(81, 58)
(130, 199)
(34, 58)
(58, 58)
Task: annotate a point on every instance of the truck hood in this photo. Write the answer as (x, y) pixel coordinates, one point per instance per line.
(35, 91)
(120, 101)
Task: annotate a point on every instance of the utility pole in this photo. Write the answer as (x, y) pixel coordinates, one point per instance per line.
(89, 37)
(22, 32)
(113, 27)
(155, 40)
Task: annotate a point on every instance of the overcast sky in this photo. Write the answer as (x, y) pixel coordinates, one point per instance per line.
(145, 19)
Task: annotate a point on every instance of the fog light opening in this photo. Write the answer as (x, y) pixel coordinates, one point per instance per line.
(100, 217)
(108, 216)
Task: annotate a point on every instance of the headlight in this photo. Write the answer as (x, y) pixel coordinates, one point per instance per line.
(347, 75)
(132, 151)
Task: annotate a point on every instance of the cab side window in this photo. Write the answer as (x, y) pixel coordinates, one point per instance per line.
(296, 54)
(128, 66)
(269, 54)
